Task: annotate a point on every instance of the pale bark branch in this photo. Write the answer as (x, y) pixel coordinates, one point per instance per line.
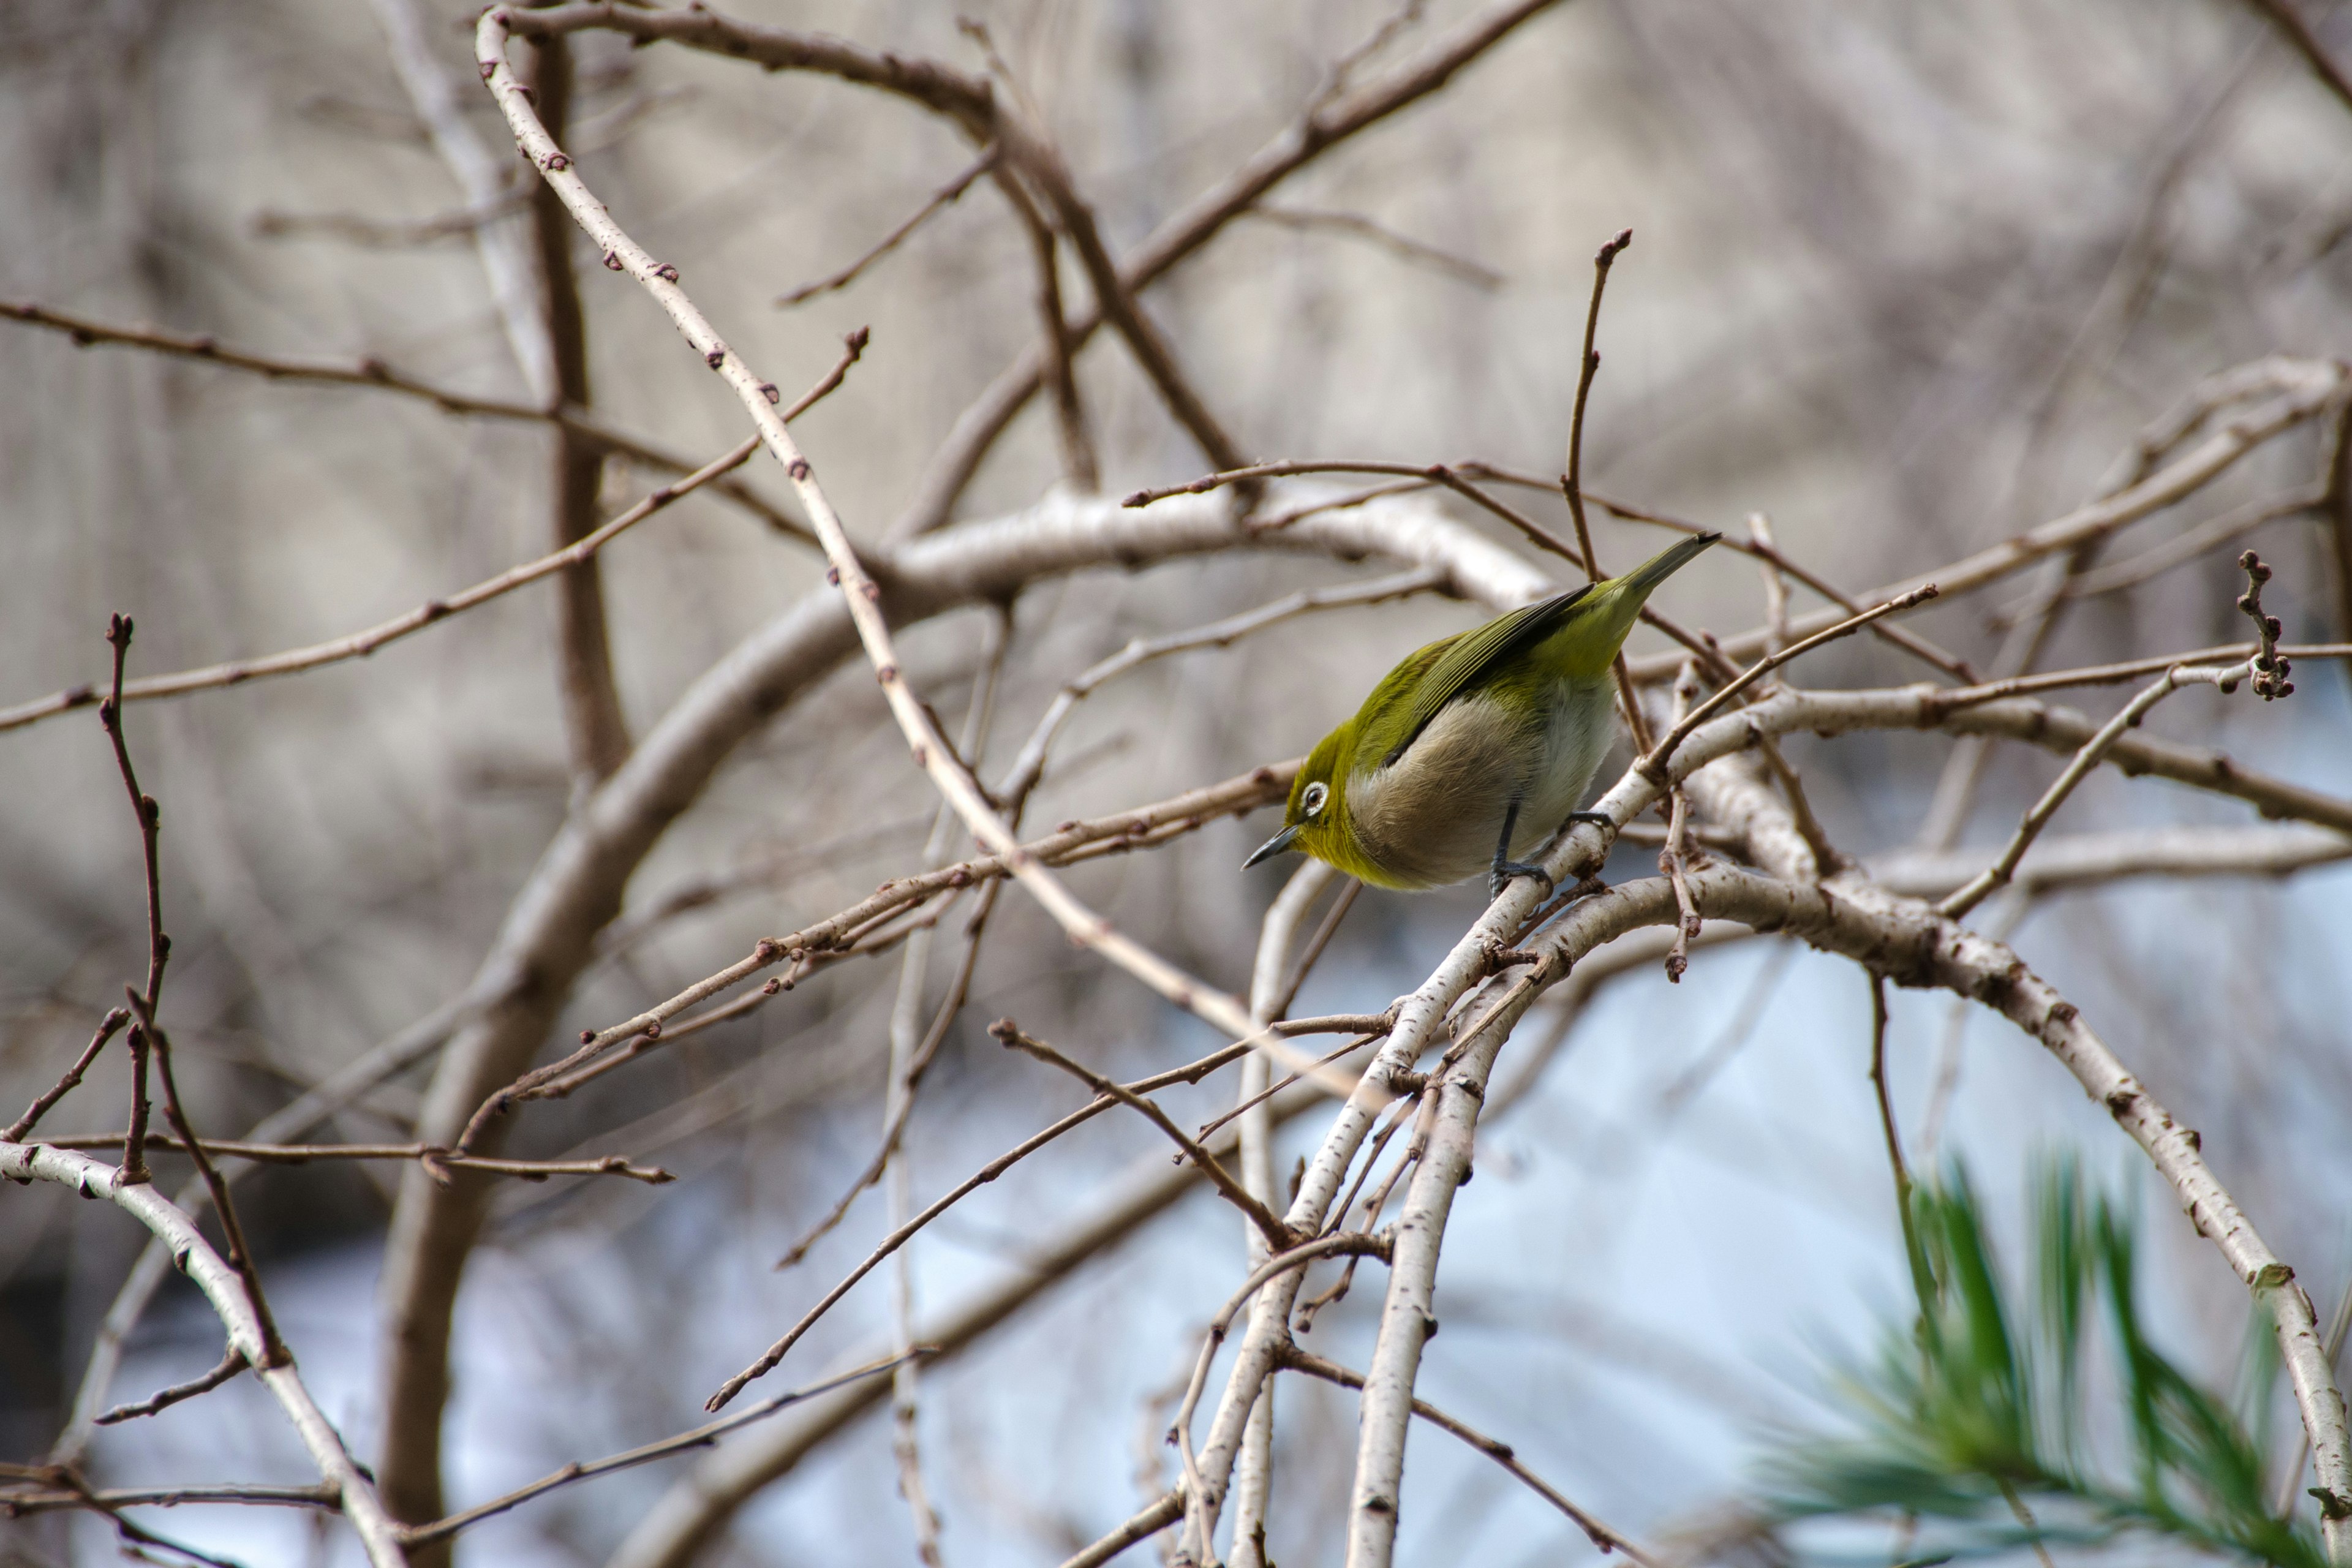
(225, 1290)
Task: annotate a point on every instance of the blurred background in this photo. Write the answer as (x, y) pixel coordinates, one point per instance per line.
(1907, 279)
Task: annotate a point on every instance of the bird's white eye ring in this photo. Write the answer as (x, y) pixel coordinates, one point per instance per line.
(1312, 801)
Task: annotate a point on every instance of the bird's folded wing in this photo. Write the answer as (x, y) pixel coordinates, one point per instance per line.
(1467, 657)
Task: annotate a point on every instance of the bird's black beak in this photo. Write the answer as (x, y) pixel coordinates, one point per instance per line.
(1272, 847)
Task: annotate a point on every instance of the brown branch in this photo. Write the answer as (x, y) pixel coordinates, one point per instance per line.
(359, 644)
(376, 234)
(702, 1436)
(163, 1399)
(1030, 150)
(262, 1154)
(945, 196)
(1587, 365)
(1600, 1534)
(1571, 483)
(594, 727)
(240, 1255)
(374, 373)
(1229, 1186)
(1323, 125)
(899, 1237)
(1652, 764)
(1404, 245)
(107, 1027)
(2298, 33)
(1185, 812)
(1078, 459)
(159, 946)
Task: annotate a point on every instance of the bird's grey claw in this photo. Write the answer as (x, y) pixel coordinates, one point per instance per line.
(1506, 871)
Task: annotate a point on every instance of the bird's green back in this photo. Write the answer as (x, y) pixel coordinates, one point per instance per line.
(1435, 676)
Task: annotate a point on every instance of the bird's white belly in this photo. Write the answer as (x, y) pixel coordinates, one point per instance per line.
(1437, 813)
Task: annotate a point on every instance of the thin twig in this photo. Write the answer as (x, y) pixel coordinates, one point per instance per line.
(1571, 483)
(159, 945)
(1922, 1280)
(1997, 874)
(1072, 840)
(1313, 952)
(304, 1153)
(1228, 1185)
(1029, 765)
(240, 1254)
(1652, 764)
(944, 196)
(230, 1365)
(359, 644)
(899, 1237)
(701, 1436)
(1462, 268)
(374, 373)
(107, 1027)
(1600, 1534)
(1673, 857)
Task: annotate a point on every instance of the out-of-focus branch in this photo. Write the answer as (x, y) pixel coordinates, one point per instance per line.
(1030, 150)
(516, 288)
(359, 644)
(374, 373)
(1078, 459)
(701, 1436)
(2338, 506)
(2283, 17)
(1459, 267)
(1600, 1534)
(107, 1027)
(945, 196)
(593, 724)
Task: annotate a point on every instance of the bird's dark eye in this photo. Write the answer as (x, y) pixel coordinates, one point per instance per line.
(1312, 801)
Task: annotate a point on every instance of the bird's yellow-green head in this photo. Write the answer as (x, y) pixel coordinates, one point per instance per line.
(1476, 734)
(1315, 820)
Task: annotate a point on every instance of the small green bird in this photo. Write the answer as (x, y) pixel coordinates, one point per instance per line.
(1478, 748)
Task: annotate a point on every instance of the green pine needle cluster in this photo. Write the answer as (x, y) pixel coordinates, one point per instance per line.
(1997, 1421)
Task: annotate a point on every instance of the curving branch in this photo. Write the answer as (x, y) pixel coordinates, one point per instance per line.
(225, 1289)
